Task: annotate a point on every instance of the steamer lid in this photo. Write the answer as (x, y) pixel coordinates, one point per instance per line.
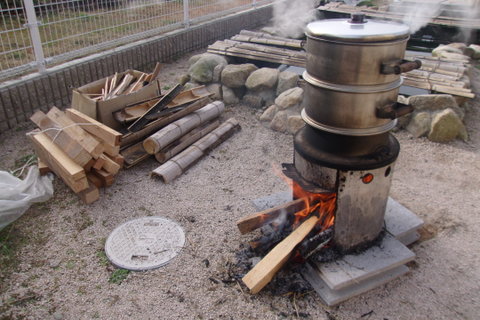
(357, 29)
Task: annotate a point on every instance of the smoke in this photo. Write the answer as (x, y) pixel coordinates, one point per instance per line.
(419, 15)
(291, 17)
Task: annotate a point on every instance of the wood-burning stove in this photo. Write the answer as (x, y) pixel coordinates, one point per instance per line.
(352, 82)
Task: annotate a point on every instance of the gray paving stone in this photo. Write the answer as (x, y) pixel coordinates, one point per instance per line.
(334, 297)
(409, 238)
(399, 220)
(352, 269)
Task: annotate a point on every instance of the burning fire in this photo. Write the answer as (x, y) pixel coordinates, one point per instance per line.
(320, 204)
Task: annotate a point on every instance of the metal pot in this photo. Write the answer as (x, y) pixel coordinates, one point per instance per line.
(356, 51)
(350, 110)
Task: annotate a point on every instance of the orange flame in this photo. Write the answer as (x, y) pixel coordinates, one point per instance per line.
(321, 204)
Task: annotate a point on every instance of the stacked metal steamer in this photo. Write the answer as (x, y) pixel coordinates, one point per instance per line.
(350, 105)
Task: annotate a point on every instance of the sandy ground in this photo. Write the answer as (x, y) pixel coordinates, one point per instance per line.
(53, 265)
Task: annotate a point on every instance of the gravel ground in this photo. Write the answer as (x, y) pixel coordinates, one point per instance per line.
(54, 267)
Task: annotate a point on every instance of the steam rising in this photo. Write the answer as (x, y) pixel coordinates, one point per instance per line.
(291, 17)
(421, 14)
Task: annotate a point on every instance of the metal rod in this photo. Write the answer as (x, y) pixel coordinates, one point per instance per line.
(186, 14)
(35, 35)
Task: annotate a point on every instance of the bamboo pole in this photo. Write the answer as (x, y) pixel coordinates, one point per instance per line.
(185, 141)
(175, 130)
(174, 167)
(133, 137)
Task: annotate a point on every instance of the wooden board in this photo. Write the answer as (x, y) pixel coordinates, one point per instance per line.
(89, 195)
(64, 167)
(264, 271)
(259, 219)
(43, 167)
(132, 113)
(94, 127)
(61, 138)
(88, 142)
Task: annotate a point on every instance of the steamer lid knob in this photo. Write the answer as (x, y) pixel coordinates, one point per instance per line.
(357, 17)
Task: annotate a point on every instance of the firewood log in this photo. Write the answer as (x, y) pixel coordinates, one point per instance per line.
(260, 219)
(264, 271)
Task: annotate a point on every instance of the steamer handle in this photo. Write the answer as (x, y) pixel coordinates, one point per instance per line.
(399, 66)
(393, 110)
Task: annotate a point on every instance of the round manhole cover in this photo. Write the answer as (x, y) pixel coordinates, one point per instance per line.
(144, 243)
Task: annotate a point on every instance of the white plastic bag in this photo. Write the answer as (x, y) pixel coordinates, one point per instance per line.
(16, 195)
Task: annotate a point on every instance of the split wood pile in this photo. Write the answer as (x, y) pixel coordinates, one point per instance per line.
(436, 74)
(117, 85)
(83, 152)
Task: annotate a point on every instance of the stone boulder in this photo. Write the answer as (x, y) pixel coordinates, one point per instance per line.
(267, 95)
(235, 75)
(280, 121)
(253, 101)
(286, 80)
(435, 102)
(290, 98)
(217, 73)
(419, 124)
(447, 126)
(201, 70)
(268, 114)
(264, 78)
(473, 51)
(295, 123)
(229, 96)
(438, 51)
(216, 89)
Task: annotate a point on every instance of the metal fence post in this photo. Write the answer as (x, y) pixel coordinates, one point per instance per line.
(32, 26)
(186, 14)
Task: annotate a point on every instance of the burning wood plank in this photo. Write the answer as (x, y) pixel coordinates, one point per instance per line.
(258, 277)
(262, 218)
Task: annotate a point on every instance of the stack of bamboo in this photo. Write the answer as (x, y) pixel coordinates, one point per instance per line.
(80, 150)
(436, 74)
(286, 51)
(441, 75)
(117, 85)
(183, 142)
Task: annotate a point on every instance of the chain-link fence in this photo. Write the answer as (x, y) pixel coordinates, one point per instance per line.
(35, 34)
